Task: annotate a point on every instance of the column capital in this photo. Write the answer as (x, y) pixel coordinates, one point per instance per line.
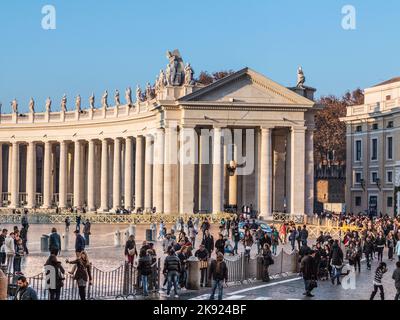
(298, 128)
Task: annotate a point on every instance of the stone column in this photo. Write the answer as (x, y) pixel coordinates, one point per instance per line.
(104, 176)
(77, 174)
(171, 171)
(309, 167)
(15, 175)
(148, 173)
(217, 172)
(128, 174)
(63, 175)
(117, 174)
(266, 174)
(158, 175)
(31, 175)
(91, 186)
(349, 172)
(139, 170)
(47, 176)
(297, 170)
(204, 171)
(187, 156)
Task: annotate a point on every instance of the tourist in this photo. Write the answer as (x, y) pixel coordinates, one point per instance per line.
(397, 250)
(202, 255)
(144, 269)
(275, 240)
(24, 237)
(78, 223)
(235, 238)
(161, 233)
(192, 235)
(54, 242)
(58, 271)
(380, 243)
(205, 226)
(267, 261)
(82, 272)
(390, 245)
(258, 236)
(219, 275)
(67, 223)
(380, 271)
(220, 244)
(309, 273)
(172, 269)
(130, 249)
(183, 256)
(247, 243)
(283, 233)
(19, 253)
(368, 251)
(10, 251)
(396, 278)
(292, 238)
(208, 242)
(298, 238)
(86, 231)
(3, 237)
(167, 243)
(24, 291)
(304, 235)
(79, 243)
(336, 262)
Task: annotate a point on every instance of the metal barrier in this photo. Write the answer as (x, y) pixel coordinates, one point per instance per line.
(119, 283)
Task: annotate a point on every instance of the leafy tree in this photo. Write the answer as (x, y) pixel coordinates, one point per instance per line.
(207, 78)
(330, 133)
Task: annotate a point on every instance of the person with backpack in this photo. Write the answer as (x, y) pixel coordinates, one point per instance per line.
(58, 271)
(219, 275)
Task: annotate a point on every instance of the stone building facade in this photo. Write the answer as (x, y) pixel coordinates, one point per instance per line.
(373, 153)
(180, 148)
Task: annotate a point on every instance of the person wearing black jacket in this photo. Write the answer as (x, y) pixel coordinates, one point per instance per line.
(79, 243)
(202, 255)
(220, 244)
(235, 238)
(82, 273)
(219, 274)
(3, 236)
(24, 292)
(309, 272)
(58, 273)
(23, 234)
(208, 242)
(368, 251)
(380, 243)
(144, 268)
(54, 242)
(172, 269)
(267, 261)
(337, 257)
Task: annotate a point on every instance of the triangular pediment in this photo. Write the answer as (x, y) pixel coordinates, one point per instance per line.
(247, 86)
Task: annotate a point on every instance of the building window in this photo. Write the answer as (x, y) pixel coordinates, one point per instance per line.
(358, 201)
(375, 126)
(388, 97)
(374, 149)
(389, 202)
(358, 150)
(390, 148)
(390, 124)
(374, 177)
(359, 129)
(358, 177)
(389, 176)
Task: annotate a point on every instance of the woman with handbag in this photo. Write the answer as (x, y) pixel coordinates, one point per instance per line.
(59, 272)
(82, 273)
(130, 249)
(248, 243)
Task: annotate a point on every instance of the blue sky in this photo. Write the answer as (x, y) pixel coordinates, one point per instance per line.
(104, 44)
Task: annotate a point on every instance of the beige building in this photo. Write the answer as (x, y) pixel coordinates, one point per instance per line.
(180, 148)
(373, 153)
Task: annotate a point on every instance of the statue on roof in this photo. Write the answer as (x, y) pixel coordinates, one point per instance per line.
(138, 94)
(128, 96)
(117, 98)
(64, 103)
(78, 102)
(149, 91)
(48, 104)
(104, 98)
(32, 105)
(301, 79)
(175, 68)
(91, 101)
(189, 80)
(14, 105)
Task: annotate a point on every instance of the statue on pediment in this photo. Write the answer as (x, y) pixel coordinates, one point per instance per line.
(128, 96)
(149, 91)
(301, 79)
(64, 103)
(104, 100)
(78, 102)
(189, 79)
(161, 79)
(138, 94)
(32, 105)
(175, 68)
(48, 104)
(117, 98)
(14, 105)
(91, 101)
